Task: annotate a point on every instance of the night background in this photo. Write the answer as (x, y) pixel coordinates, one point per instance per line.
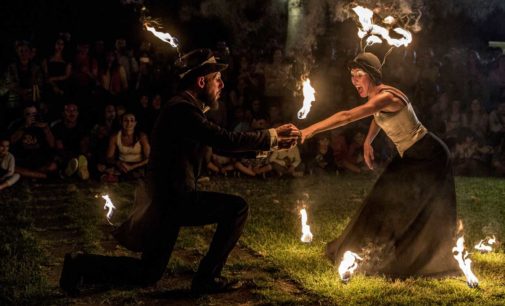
(112, 67)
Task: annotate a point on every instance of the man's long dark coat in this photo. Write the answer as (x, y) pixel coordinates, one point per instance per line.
(181, 144)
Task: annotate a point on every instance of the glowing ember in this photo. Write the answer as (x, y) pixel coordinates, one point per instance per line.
(166, 37)
(348, 265)
(306, 234)
(308, 98)
(108, 205)
(486, 245)
(375, 32)
(464, 262)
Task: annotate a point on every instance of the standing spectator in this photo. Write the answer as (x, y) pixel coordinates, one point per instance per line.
(84, 71)
(72, 142)
(23, 80)
(57, 70)
(113, 76)
(7, 166)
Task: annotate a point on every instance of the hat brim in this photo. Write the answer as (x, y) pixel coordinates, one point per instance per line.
(376, 76)
(205, 70)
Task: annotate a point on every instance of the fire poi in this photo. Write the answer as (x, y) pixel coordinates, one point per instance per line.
(486, 245)
(306, 234)
(308, 98)
(348, 265)
(465, 263)
(109, 206)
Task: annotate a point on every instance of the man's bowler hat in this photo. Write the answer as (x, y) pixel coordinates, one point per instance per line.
(199, 62)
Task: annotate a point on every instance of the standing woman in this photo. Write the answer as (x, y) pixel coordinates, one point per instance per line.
(408, 221)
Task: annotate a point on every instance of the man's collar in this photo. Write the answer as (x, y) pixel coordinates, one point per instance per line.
(196, 101)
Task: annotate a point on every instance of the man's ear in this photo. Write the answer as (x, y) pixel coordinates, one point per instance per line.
(200, 81)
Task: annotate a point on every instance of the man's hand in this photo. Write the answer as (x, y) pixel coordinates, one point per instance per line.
(287, 136)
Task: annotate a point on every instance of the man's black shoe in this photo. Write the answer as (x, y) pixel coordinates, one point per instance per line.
(70, 278)
(213, 285)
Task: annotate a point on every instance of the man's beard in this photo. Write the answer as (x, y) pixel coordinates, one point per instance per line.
(209, 100)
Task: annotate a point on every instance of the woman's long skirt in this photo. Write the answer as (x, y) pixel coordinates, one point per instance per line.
(407, 224)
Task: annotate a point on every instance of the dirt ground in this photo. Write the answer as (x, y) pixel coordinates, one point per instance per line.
(262, 282)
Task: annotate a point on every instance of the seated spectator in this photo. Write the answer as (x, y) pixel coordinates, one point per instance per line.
(240, 121)
(497, 124)
(322, 162)
(439, 114)
(477, 118)
(32, 144)
(7, 166)
(128, 151)
(498, 160)
(340, 147)
(470, 157)
(143, 113)
(455, 120)
(275, 115)
(355, 153)
(254, 166)
(287, 162)
(220, 164)
(156, 104)
(72, 142)
(99, 140)
(259, 165)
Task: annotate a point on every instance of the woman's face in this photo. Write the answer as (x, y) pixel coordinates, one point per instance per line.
(475, 106)
(59, 45)
(129, 122)
(361, 80)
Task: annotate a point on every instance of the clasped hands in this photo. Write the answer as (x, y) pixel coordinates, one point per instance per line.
(287, 136)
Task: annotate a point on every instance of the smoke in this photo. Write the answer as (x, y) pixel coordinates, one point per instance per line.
(476, 10)
(247, 19)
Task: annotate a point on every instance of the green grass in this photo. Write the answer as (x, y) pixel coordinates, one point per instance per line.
(274, 230)
(21, 280)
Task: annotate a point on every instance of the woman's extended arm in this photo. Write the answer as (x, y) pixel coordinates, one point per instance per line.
(375, 104)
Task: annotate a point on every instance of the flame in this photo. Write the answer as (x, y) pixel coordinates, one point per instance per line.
(108, 205)
(486, 245)
(348, 265)
(308, 98)
(375, 32)
(464, 262)
(306, 234)
(166, 37)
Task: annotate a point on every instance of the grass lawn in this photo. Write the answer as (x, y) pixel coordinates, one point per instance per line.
(52, 219)
(274, 230)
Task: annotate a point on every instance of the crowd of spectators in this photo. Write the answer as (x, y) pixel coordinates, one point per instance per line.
(86, 109)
